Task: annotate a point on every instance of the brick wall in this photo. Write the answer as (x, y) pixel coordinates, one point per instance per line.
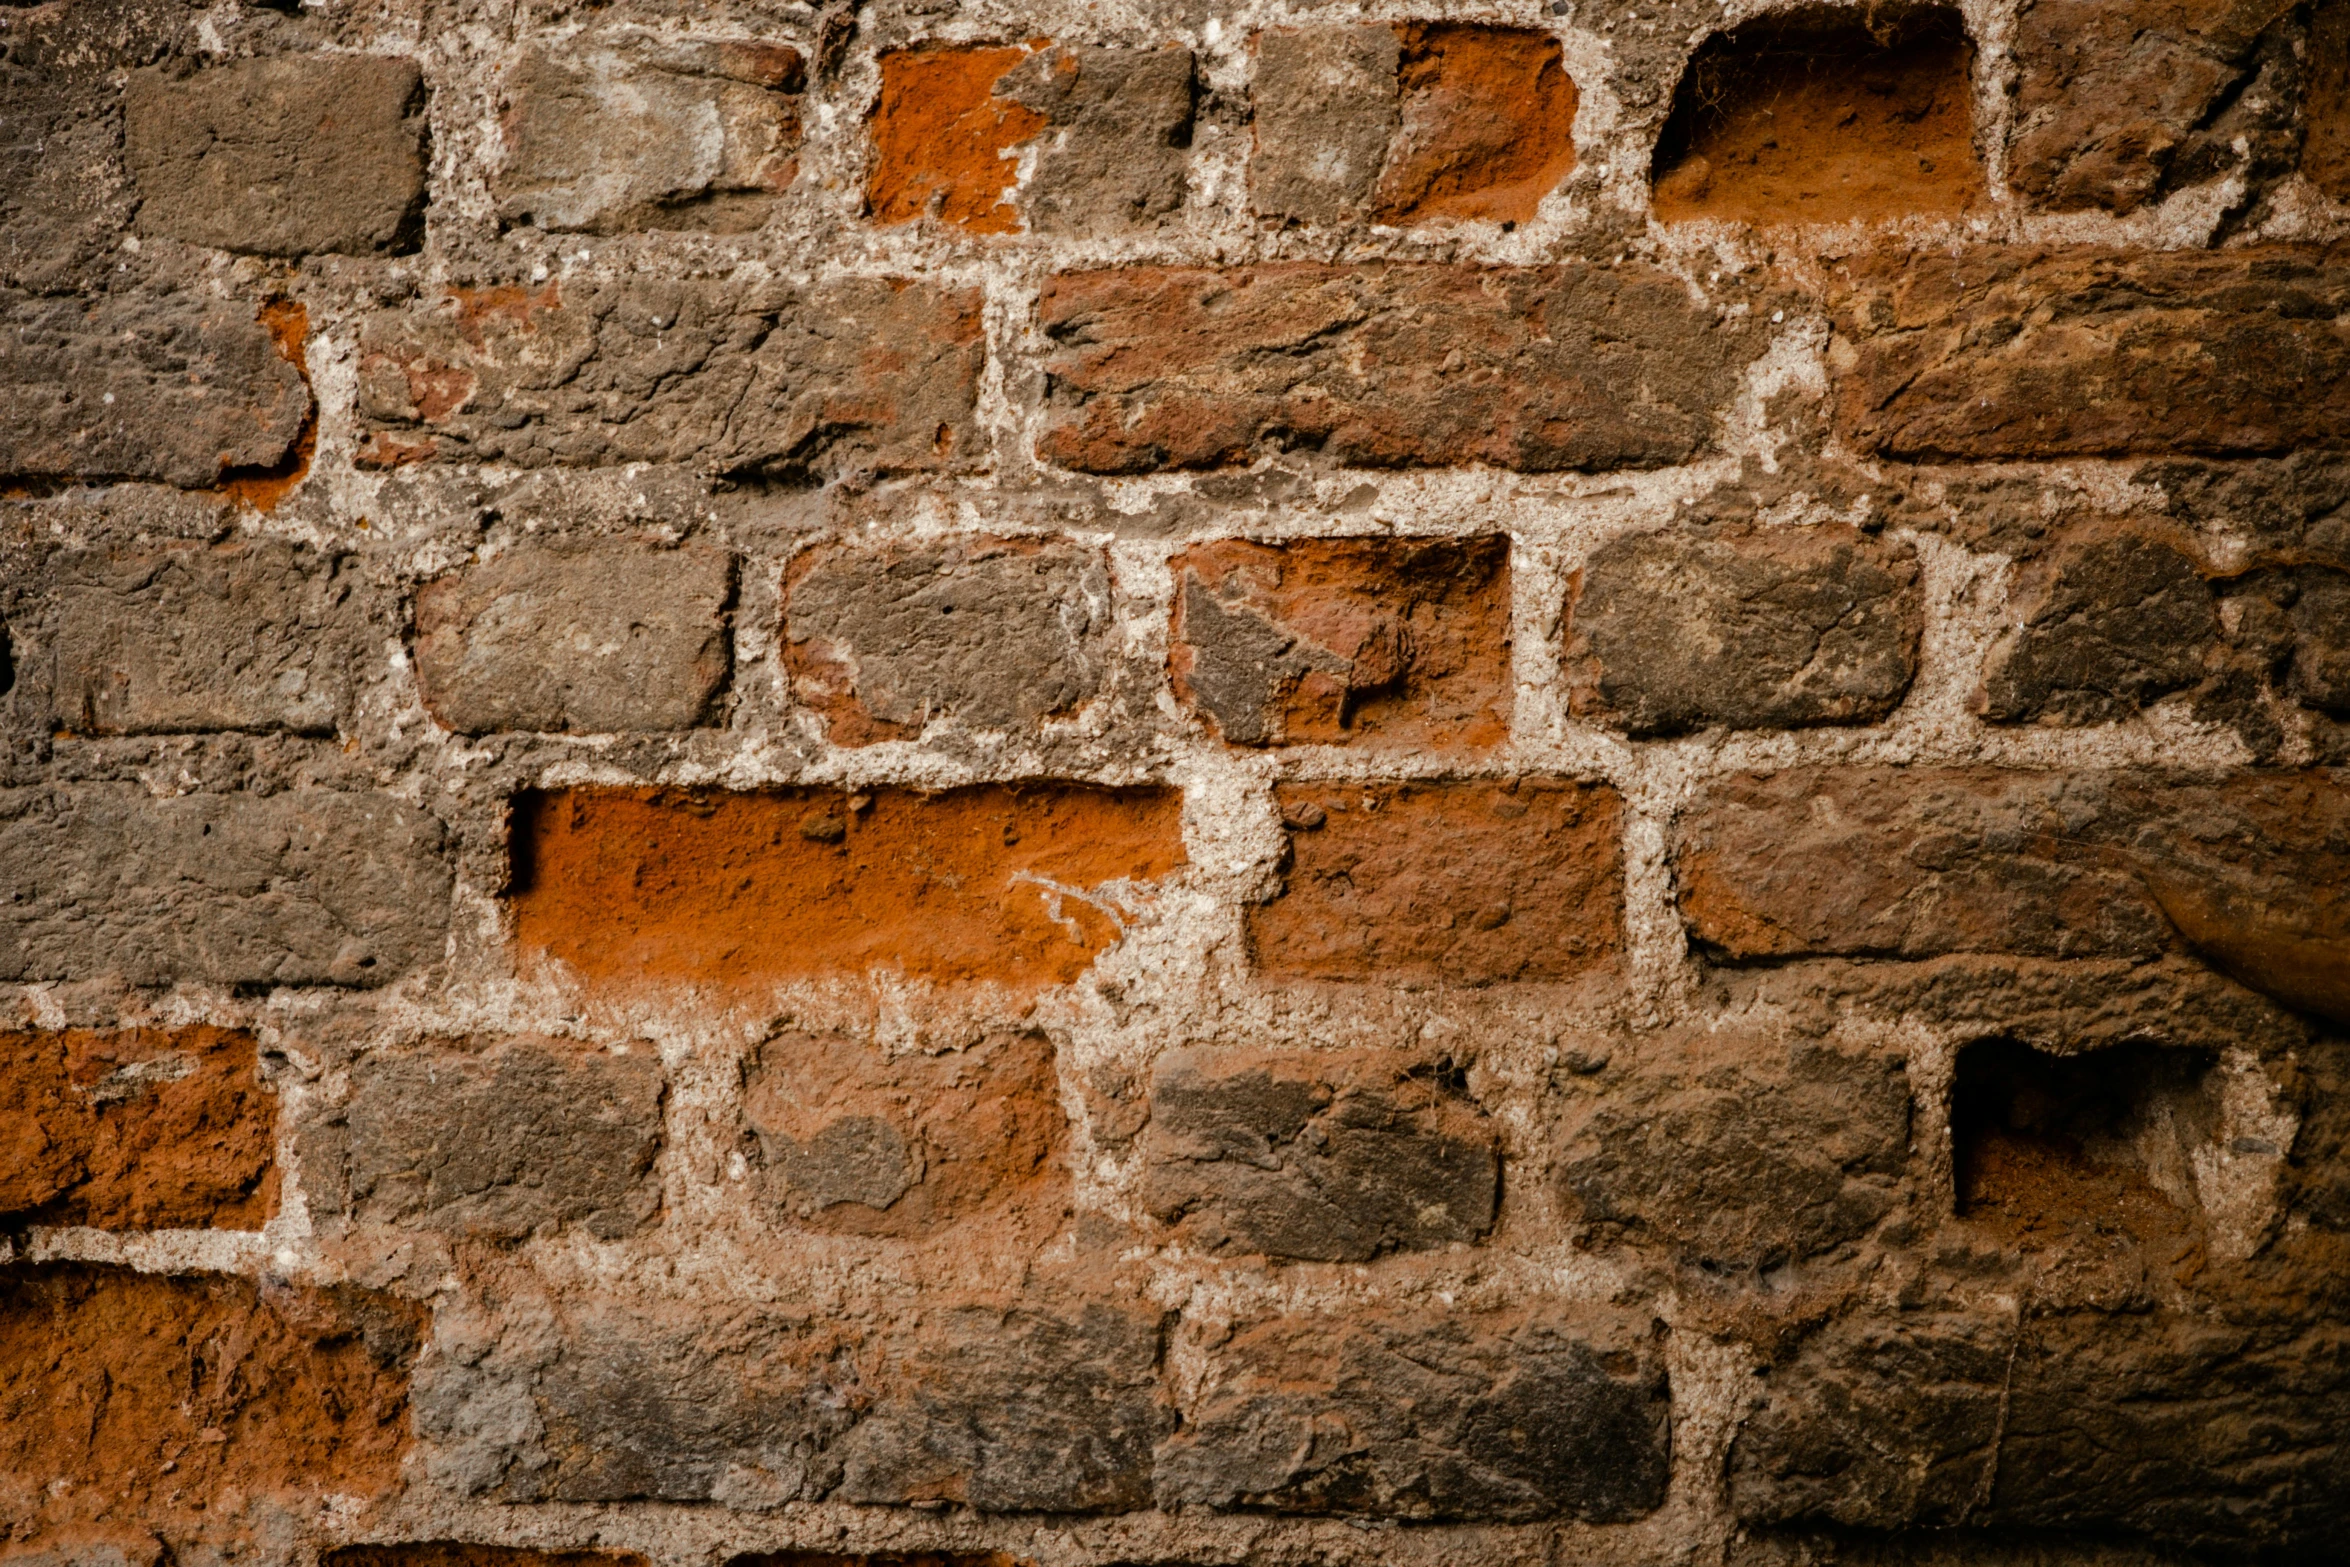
(910, 785)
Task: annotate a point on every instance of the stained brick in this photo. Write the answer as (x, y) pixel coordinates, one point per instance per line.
(1537, 369)
(1107, 133)
(1461, 883)
(2112, 618)
(506, 1137)
(1325, 1156)
(1019, 886)
(257, 635)
(729, 377)
(2004, 352)
(1401, 643)
(281, 156)
(302, 888)
(589, 636)
(854, 1140)
(144, 1399)
(1753, 629)
(453, 1553)
(178, 388)
(1324, 107)
(993, 633)
(1424, 1415)
(624, 130)
(137, 1129)
(2117, 106)
(2253, 872)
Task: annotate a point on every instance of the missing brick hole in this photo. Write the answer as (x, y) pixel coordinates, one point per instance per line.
(2105, 1139)
(1823, 116)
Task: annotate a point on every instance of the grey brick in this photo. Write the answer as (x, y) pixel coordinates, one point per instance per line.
(592, 637)
(1326, 106)
(302, 888)
(281, 156)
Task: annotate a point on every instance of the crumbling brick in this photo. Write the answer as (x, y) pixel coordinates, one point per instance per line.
(1384, 643)
(137, 1129)
(1772, 628)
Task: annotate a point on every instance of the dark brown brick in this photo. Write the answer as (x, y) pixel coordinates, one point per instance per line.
(2004, 352)
(1460, 883)
(1327, 1156)
(1762, 628)
(1428, 1415)
(139, 1129)
(603, 636)
(1533, 369)
(1379, 643)
(993, 633)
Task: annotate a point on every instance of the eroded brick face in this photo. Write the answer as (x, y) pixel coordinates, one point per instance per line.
(1367, 642)
(1459, 883)
(1021, 887)
(148, 1398)
(137, 1129)
(915, 785)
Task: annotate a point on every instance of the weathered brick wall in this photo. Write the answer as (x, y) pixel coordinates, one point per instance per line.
(915, 783)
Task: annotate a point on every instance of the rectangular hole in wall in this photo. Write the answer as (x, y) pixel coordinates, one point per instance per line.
(2044, 1143)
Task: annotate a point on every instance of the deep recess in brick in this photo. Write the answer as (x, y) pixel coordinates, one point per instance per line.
(1202, 783)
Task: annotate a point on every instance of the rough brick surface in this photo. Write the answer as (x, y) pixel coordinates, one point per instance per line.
(281, 156)
(2325, 148)
(137, 1129)
(2018, 352)
(1815, 117)
(993, 633)
(1459, 882)
(2208, 1434)
(254, 635)
(944, 142)
(1114, 148)
(1486, 125)
(2116, 618)
(182, 389)
(2115, 109)
(1383, 367)
(591, 637)
(141, 1400)
(506, 1137)
(627, 132)
(862, 374)
(1773, 628)
(303, 888)
(1329, 1158)
(1018, 886)
(1376, 642)
(1428, 1416)
(1326, 106)
(1044, 1407)
(1914, 864)
(853, 1140)
(1737, 1150)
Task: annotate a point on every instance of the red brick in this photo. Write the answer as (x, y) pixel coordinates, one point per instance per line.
(2002, 352)
(136, 1129)
(1535, 369)
(1389, 643)
(1488, 122)
(1020, 885)
(141, 1399)
(1446, 882)
(943, 142)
